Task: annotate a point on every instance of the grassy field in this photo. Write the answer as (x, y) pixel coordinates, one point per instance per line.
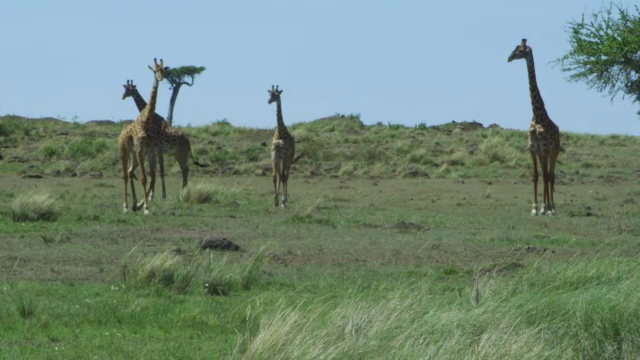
(399, 242)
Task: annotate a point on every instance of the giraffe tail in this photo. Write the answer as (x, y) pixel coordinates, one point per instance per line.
(196, 162)
(295, 160)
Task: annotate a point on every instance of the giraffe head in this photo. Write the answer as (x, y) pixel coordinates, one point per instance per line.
(274, 94)
(522, 51)
(158, 69)
(129, 89)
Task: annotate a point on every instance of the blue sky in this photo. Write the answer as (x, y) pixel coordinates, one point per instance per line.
(396, 61)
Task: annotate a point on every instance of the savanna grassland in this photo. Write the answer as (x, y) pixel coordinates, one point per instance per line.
(399, 242)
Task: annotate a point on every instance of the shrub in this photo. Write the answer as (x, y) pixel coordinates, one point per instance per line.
(49, 151)
(165, 270)
(251, 272)
(218, 275)
(26, 308)
(420, 156)
(5, 130)
(86, 148)
(220, 128)
(36, 206)
(201, 193)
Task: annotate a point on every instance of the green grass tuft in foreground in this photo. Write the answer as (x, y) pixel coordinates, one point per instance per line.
(206, 193)
(579, 309)
(207, 271)
(34, 206)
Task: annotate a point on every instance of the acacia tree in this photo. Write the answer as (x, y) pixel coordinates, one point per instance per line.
(176, 77)
(605, 51)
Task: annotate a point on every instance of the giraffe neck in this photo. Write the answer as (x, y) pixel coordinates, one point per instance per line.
(147, 113)
(539, 111)
(141, 103)
(151, 106)
(281, 127)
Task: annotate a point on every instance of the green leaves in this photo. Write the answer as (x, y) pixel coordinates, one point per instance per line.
(605, 51)
(184, 75)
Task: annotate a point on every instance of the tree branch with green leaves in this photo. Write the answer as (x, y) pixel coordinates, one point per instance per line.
(605, 51)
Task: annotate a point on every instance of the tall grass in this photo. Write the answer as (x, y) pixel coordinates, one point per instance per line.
(34, 206)
(580, 309)
(207, 271)
(166, 270)
(207, 193)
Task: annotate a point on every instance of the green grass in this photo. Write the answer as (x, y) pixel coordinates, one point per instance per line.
(398, 242)
(203, 193)
(34, 206)
(578, 309)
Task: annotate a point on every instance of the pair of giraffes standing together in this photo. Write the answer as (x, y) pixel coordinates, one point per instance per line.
(149, 136)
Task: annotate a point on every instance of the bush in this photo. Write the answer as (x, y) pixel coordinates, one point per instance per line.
(49, 151)
(165, 270)
(201, 193)
(5, 130)
(86, 148)
(218, 275)
(34, 207)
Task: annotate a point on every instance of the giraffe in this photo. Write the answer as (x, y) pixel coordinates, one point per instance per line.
(146, 135)
(282, 151)
(544, 137)
(127, 150)
(173, 140)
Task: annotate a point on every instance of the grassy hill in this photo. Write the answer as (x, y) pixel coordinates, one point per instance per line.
(339, 145)
(398, 242)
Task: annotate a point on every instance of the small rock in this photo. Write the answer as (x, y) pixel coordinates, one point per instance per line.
(218, 244)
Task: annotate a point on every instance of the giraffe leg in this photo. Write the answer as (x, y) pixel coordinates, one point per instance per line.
(161, 164)
(276, 189)
(183, 161)
(143, 180)
(284, 192)
(152, 182)
(544, 164)
(153, 158)
(132, 171)
(552, 178)
(534, 176)
(275, 175)
(124, 158)
(285, 185)
(140, 204)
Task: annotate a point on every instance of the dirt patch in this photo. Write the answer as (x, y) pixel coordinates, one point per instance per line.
(409, 226)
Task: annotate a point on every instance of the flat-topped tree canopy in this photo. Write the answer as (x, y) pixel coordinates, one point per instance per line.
(176, 77)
